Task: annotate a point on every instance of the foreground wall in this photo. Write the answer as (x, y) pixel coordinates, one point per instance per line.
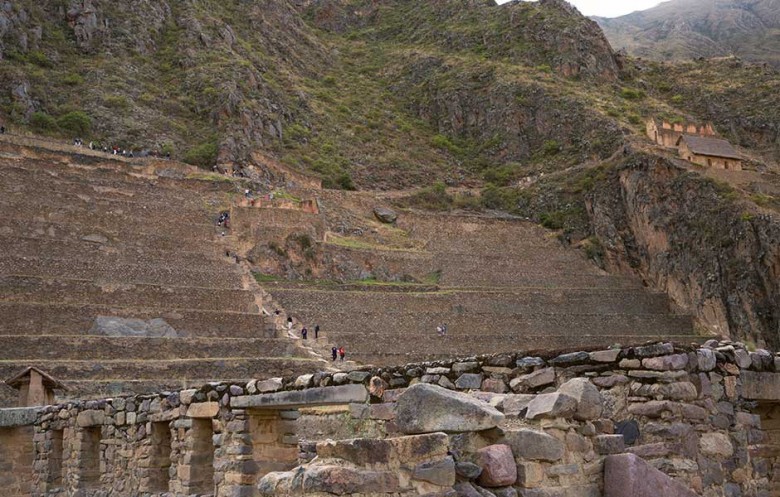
(512, 424)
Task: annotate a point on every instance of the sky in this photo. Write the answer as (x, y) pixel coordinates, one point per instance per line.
(609, 8)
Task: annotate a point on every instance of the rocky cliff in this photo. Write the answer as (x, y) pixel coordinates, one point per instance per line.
(692, 238)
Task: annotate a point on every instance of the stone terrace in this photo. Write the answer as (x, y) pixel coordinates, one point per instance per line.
(83, 237)
(499, 284)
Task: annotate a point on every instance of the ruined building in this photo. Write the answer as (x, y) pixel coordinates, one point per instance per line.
(698, 144)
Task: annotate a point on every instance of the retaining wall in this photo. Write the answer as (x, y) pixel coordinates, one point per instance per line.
(702, 416)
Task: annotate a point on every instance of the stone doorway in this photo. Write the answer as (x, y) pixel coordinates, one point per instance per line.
(16, 461)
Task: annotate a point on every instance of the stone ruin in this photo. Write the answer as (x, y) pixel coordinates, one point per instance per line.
(657, 419)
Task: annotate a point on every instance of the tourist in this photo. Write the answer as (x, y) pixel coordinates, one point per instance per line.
(2, 130)
(304, 333)
(334, 352)
(316, 331)
(444, 329)
(342, 353)
(289, 323)
(439, 330)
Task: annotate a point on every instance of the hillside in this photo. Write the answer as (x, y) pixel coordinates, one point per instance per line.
(686, 29)
(522, 108)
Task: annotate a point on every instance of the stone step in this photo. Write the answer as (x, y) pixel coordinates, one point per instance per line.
(402, 326)
(26, 318)
(314, 301)
(99, 348)
(212, 369)
(394, 357)
(67, 291)
(170, 273)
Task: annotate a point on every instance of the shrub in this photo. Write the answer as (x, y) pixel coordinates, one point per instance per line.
(75, 123)
(42, 121)
(116, 102)
(73, 79)
(551, 147)
(632, 94)
(678, 99)
(39, 59)
(202, 155)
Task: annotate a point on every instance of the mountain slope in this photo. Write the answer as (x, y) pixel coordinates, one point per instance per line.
(685, 29)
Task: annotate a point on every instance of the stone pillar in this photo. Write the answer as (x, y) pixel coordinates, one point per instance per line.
(36, 393)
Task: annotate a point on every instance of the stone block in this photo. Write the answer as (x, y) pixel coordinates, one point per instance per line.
(628, 475)
(610, 355)
(534, 445)
(533, 380)
(469, 381)
(706, 360)
(343, 480)
(570, 359)
(673, 362)
(609, 444)
(467, 470)
(22, 416)
(304, 381)
(201, 410)
(321, 396)
(610, 381)
(494, 385)
(377, 387)
(441, 472)
(742, 358)
(464, 367)
(498, 466)
(716, 444)
(516, 404)
(426, 408)
(269, 385)
(551, 405)
(760, 386)
(529, 362)
(391, 452)
(91, 418)
(384, 411)
(358, 376)
(654, 350)
(529, 474)
(589, 401)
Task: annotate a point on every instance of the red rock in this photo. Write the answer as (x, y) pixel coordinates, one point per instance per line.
(498, 466)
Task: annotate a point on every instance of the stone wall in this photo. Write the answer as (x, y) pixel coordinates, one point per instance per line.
(501, 425)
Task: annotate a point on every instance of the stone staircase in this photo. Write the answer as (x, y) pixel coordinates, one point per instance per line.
(88, 237)
(503, 285)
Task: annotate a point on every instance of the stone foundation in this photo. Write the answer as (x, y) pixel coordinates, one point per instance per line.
(703, 420)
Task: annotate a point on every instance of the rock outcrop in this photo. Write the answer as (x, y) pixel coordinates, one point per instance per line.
(685, 235)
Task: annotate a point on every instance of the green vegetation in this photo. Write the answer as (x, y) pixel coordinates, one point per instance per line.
(77, 123)
(203, 155)
(265, 278)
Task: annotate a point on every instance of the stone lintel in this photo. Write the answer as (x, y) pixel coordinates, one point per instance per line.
(760, 386)
(203, 410)
(22, 416)
(311, 397)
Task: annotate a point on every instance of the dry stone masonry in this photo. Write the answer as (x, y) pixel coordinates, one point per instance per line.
(655, 419)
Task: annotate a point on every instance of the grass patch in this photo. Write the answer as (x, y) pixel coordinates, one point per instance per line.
(266, 278)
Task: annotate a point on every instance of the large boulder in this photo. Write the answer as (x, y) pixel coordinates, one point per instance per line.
(590, 404)
(425, 408)
(498, 466)
(385, 215)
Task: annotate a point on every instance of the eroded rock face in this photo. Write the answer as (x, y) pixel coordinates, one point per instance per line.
(678, 232)
(424, 408)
